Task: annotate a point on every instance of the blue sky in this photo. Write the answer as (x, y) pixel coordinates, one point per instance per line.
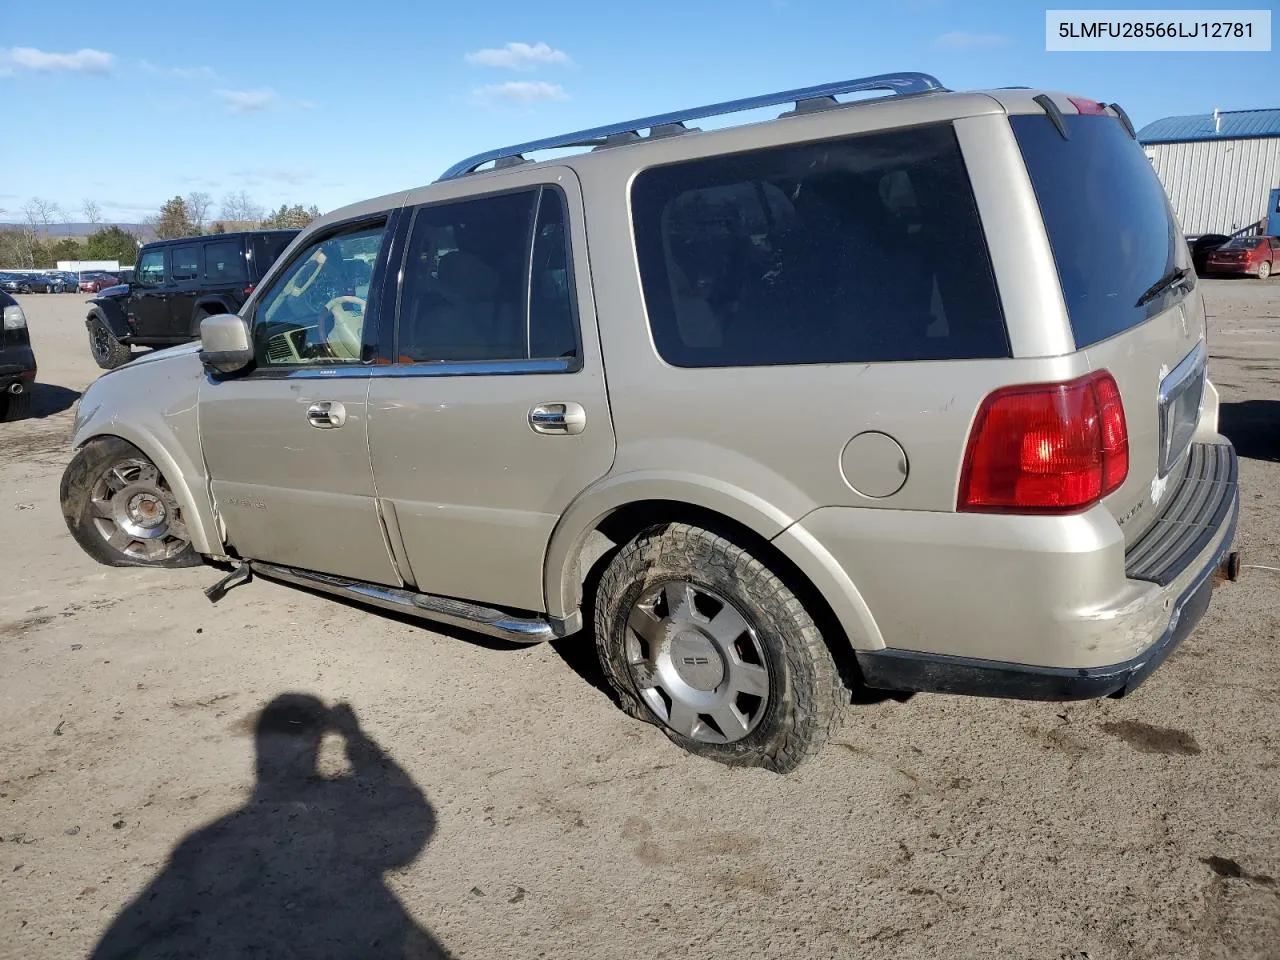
(327, 103)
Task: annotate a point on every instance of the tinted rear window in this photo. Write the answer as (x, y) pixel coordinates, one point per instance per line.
(1110, 226)
(855, 250)
(1241, 243)
(224, 262)
(266, 248)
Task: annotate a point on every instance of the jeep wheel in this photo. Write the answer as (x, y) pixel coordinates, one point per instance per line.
(120, 509)
(699, 637)
(15, 406)
(108, 352)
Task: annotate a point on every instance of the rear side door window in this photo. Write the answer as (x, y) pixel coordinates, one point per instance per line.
(487, 279)
(224, 262)
(185, 263)
(856, 250)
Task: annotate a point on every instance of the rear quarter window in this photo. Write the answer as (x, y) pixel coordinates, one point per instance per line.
(224, 262)
(855, 250)
(1110, 226)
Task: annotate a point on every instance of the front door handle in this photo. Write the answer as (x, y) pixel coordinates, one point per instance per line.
(563, 418)
(326, 414)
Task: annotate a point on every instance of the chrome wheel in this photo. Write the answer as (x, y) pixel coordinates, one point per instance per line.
(133, 509)
(697, 662)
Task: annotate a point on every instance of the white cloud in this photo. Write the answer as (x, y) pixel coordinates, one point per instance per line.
(520, 91)
(41, 61)
(259, 101)
(293, 177)
(182, 73)
(518, 56)
(248, 101)
(962, 39)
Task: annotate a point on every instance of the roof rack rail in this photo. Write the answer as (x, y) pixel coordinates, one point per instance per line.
(900, 84)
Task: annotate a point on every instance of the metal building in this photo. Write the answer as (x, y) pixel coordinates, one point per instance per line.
(1219, 168)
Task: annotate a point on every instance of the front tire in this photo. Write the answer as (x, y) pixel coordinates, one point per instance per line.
(108, 352)
(119, 508)
(704, 640)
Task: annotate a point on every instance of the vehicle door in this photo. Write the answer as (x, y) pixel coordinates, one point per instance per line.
(149, 294)
(492, 415)
(184, 274)
(286, 442)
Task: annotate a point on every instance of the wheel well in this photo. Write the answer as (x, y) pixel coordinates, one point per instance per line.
(621, 526)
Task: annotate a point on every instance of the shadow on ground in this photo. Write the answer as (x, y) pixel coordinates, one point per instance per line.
(298, 871)
(1253, 426)
(48, 399)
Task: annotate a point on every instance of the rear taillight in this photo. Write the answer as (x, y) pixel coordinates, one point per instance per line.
(248, 290)
(1046, 448)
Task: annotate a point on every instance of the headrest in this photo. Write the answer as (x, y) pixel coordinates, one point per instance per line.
(467, 277)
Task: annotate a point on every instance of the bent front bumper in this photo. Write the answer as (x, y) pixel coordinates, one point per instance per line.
(1067, 614)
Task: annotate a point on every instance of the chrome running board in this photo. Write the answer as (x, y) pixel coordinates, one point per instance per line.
(457, 613)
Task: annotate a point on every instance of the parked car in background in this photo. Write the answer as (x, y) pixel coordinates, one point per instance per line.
(175, 285)
(10, 282)
(34, 283)
(17, 362)
(1202, 246)
(1246, 256)
(97, 282)
(895, 392)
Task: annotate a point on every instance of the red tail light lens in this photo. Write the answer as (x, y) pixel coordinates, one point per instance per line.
(1046, 448)
(248, 290)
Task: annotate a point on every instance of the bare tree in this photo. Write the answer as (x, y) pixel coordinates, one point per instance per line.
(239, 207)
(92, 212)
(199, 205)
(40, 214)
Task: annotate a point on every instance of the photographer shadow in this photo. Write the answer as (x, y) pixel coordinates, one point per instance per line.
(298, 871)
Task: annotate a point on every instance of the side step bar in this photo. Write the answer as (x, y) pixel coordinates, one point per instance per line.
(457, 613)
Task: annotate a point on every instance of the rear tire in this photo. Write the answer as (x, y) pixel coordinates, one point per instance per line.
(1264, 270)
(702, 639)
(108, 352)
(15, 407)
(119, 508)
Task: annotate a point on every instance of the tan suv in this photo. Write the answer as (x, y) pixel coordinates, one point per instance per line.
(907, 392)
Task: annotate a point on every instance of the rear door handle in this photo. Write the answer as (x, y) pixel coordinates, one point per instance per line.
(326, 414)
(562, 418)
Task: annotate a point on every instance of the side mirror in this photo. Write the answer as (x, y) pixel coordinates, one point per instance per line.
(224, 343)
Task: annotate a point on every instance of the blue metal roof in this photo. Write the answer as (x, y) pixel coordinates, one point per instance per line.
(1234, 124)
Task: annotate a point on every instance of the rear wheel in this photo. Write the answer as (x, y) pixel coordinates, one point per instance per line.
(1264, 269)
(701, 638)
(108, 352)
(120, 509)
(15, 406)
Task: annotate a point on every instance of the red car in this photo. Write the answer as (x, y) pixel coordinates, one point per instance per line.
(96, 282)
(1251, 256)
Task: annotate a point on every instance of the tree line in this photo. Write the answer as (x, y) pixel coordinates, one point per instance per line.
(31, 245)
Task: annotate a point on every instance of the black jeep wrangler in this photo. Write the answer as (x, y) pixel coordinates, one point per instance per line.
(175, 285)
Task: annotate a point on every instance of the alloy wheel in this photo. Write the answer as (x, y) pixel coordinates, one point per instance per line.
(135, 512)
(697, 662)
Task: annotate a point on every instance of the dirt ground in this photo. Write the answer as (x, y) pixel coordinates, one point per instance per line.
(504, 807)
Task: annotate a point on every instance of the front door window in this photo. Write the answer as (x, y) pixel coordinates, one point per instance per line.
(314, 312)
(151, 267)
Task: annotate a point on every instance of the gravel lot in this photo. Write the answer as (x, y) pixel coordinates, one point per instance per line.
(520, 814)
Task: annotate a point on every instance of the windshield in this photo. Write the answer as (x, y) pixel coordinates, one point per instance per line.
(1110, 226)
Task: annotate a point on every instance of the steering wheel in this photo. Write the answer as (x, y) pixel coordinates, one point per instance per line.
(345, 335)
